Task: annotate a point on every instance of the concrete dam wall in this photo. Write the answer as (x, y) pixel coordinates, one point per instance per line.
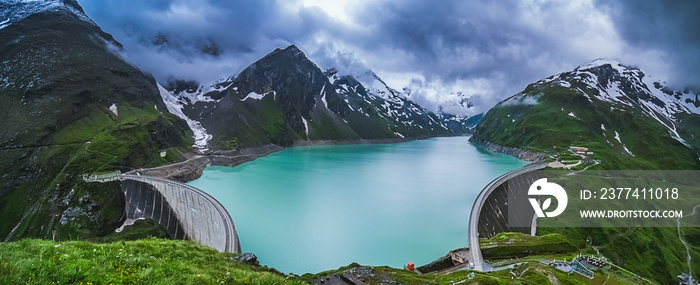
(186, 212)
(489, 215)
(495, 211)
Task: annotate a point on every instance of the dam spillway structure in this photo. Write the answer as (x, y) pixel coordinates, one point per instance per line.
(186, 212)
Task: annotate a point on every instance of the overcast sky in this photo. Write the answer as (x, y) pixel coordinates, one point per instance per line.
(485, 49)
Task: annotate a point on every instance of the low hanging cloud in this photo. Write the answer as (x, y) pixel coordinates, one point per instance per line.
(197, 40)
(486, 50)
(669, 29)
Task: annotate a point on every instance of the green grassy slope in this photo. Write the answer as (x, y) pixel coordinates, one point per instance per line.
(149, 261)
(158, 261)
(531, 273)
(689, 130)
(56, 125)
(511, 245)
(546, 126)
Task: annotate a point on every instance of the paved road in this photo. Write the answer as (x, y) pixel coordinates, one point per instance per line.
(474, 249)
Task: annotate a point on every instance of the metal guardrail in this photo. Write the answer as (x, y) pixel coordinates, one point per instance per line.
(577, 267)
(104, 177)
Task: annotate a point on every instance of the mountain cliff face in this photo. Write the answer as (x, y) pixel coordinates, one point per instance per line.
(70, 106)
(284, 99)
(623, 116)
(369, 96)
(368, 86)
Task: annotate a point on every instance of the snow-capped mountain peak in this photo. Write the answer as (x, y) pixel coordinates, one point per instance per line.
(373, 85)
(623, 86)
(601, 62)
(12, 11)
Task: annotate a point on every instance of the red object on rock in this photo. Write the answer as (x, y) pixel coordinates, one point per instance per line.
(411, 266)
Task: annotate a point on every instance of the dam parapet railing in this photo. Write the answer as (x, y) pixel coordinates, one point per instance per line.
(185, 211)
(102, 177)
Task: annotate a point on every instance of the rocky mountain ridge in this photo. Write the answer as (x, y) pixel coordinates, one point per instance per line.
(284, 97)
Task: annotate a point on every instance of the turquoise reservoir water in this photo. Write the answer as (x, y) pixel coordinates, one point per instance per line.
(310, 209)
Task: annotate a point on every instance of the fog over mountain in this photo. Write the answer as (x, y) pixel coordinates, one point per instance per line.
(486, 50)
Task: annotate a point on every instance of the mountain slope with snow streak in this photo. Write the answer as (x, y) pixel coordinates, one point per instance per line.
(402, 114)
(175, 106)
(12, 11)
(284, 98)
(620, 86)
(625, 117)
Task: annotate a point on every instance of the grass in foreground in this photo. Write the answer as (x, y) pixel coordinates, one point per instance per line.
(512, 245)
(529, 273)
(150, 261)
(159, 261)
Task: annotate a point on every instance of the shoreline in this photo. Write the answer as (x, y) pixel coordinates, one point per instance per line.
(512, 151)
(192, 168)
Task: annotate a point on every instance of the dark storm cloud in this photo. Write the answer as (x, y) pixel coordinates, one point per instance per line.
(486, 49)
(496, 50)
(670, 27)
(200, 40)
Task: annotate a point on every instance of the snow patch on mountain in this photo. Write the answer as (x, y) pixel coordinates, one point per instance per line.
(624, 87)
(600, 62)
(253, 95)
(202, 92)
(323, 96)
(306, 127)
(4, 24)
(367, 89)
(114, 109)
(627, 150)
(175, 106)
(624, 147)
(617, 137)
(375, 86)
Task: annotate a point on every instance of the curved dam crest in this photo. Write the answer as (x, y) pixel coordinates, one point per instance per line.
(186, 212)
